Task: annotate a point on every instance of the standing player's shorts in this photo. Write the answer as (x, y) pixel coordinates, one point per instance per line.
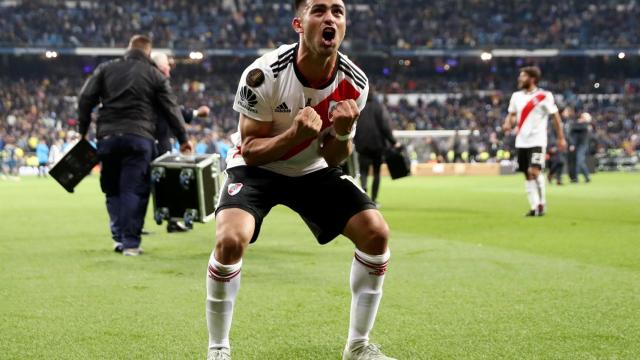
(530, 157)
(325, 199)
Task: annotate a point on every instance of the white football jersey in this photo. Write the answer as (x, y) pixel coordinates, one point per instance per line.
(532, 111)
(272, 89)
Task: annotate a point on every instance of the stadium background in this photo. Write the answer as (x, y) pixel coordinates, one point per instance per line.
(487, 288)
(459, 58)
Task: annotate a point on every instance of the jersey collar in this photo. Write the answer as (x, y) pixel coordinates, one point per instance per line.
(305, 82)
(532, 91)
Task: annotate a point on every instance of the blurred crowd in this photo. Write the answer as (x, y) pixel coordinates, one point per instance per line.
(38, 119)
(377, 24)
(38, 113)
(615, 125)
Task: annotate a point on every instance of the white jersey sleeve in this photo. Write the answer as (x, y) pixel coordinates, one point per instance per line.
(550, 104)
(362, 99)
(254, 94)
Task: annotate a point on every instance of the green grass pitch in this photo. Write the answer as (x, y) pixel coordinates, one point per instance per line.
(469, 278)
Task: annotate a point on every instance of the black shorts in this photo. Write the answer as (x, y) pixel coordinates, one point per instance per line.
(325, 199)
(530, 157)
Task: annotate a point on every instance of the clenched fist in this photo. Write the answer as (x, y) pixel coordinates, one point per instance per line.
(307, 124)
(343, 116)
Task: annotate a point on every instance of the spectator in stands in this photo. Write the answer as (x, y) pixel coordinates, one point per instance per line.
(42, 153)
(493, 147)
(402, 24)
(456, 147)
(201, 146)
(30, 104)
(12, 156)
(55, 153)
(222, 145)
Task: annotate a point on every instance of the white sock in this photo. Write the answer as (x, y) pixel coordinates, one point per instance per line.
(540, 181)
(533, 194)
(223, 283)
(367, 276)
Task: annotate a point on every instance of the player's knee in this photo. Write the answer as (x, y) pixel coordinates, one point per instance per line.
(534, 172)
(377, 238)
(229, 247)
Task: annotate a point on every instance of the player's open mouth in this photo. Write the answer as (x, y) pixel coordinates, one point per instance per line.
(328, 34)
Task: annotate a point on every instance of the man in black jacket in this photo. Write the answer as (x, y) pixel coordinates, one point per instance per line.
(163, 131)
(373, 135)
(130, 91)
(580, 144)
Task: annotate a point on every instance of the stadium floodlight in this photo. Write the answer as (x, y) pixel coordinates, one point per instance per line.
(486, 56)
(49, 54)
(196, 55)
(621, 55)
(596, 85)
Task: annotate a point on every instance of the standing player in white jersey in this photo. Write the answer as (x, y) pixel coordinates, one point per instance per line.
(298, 106)
(531, 108)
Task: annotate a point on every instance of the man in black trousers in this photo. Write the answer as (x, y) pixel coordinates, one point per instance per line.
(130, 90)
(163, 131)
(373, 136)
(580, 144)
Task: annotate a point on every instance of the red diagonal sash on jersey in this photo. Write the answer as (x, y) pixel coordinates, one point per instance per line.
(344, 91)
(528, 108)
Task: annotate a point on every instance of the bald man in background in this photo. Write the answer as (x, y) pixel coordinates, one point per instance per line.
(580, 132)
(163, 131)
(131, 91)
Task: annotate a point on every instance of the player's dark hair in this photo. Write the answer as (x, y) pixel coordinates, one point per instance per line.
(532, 71)
(298, 4)
(140, 42)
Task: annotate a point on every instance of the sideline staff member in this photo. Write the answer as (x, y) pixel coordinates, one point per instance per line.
(163, 133)
(130, 91)
(373, 136)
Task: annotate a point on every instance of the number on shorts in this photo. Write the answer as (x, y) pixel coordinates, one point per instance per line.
(537, 159)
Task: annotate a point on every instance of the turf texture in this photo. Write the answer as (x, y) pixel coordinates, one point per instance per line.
(469, 277)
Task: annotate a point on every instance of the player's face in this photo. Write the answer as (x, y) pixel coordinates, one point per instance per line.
(323, 24)
(524, 81)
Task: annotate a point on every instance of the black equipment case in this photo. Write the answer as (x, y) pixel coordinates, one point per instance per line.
(75, 165)
(185, 187)
(398, 162)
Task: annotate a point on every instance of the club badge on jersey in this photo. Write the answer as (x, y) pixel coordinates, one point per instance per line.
(234, 188)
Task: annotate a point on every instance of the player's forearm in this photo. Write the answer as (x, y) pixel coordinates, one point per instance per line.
(335, 151)
(259, 151)
(557, 122)
(508, 121)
